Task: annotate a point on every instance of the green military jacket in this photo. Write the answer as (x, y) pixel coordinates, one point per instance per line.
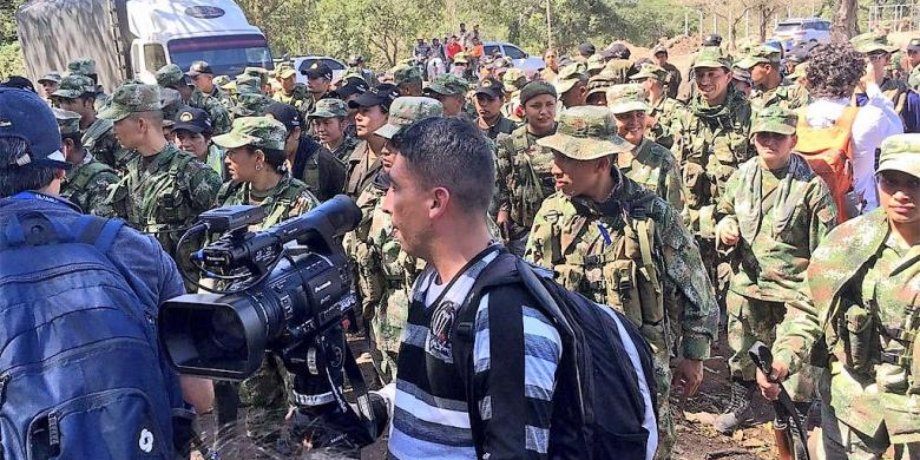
(344, 150)
(299, 98)
(710, 143)
(524, 177)
(655, 168)
(502, 126)
(289, 198)
(99, 140)
(664, 113)
(787, 95)
(220, 117)
(87, 184)
(782, 217)
(862, 323)
(627, 252)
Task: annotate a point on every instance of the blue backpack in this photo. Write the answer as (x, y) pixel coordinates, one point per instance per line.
(80, 369)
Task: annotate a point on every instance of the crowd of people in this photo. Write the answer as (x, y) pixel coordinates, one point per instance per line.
(773, 197)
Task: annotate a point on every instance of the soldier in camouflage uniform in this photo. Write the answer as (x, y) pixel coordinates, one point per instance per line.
(513, 82)
(385, 272)
(775, 212)
(87, 182)
(293, 93)
(171, 76)
(863, 319)
(319, 78)
(249, 104)
(328, 123)
(647, 163)
(770, 88)
(663, 108)
(87, 68)
(450, 90)
(164, 189)
(619, 66)
(200, 72)
(572, 85)
(408, 78)
(523, 167)
(372, 111)
(489, 96)
(255, 159)
(77, 93)
(621, 245)
(711, 139)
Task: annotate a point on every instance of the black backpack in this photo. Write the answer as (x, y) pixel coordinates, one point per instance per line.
(598, 406)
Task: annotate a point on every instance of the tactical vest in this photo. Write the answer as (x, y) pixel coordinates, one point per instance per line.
(75, 185)
(531, 177)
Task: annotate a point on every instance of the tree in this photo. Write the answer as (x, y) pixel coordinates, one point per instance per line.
(844, 23)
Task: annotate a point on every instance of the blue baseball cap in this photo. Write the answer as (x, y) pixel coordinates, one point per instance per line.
(25, 116)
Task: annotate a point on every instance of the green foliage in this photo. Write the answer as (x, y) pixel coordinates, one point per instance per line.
(10, 60)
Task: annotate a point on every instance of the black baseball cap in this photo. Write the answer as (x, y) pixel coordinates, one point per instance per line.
(350, 86)
(382, 95)
(617, 51)
(199, 67)
(286, 114)
(586, 49)
(194, 120)
(491, 87)
(20, 82)
(318, 70)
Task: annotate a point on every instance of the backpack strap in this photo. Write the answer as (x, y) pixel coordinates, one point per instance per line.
(90, 171)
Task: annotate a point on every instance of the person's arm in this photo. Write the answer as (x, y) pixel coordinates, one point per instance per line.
(727, 232)
(516, 352)
(203, 185)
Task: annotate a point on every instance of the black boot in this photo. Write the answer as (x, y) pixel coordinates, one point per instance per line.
(739, 412)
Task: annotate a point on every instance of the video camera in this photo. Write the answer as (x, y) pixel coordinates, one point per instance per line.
(279, 295)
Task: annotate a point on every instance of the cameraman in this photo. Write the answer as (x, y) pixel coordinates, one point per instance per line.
(32, 168)
(441, 185)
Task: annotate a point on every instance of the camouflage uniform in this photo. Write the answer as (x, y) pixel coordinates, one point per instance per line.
(782, 216)
(710, 143)
(251, 105)
(524, 177)
(569, 76)
(162, 193)
(335, 108)
(626, 259)
(298, 96)
(787, 95)
(86, 183)
(662, 112)
(85, 67)
(450, 85)
(514, 81)
(406, 75)
(265, 393)
(171, 76)
(649, 164)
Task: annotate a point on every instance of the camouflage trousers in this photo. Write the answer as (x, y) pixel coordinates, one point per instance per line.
(666, 434)
(385, 333)
(750, 320)
(840, 441)
(265, 395)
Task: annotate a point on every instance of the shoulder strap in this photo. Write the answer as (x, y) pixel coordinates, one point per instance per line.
(88, 172)
(178, 167)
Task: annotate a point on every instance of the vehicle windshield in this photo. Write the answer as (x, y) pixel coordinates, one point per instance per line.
(227, 55)
(786, 27)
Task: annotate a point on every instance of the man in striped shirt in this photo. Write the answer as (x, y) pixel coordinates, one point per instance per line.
(440, 190)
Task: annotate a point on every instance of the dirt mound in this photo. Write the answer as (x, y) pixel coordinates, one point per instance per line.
(682, 44)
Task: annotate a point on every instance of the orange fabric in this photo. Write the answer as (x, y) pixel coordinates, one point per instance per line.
(477, 51)
(829, 152)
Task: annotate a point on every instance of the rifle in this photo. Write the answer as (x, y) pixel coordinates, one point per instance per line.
(782, 407)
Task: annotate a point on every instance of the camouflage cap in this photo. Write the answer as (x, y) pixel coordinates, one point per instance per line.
(514, 80)
(171, 76)
(537, 88)
(600, 82)
(251, 105)
(248, 84)
(586, 133)
(596, 63)
(627, 98)
(132, 98)
(405, 74)
(258, 73)
(569, 76)
(774, 119)
(54, 77)
(871, 42)
(285, 71)
(82, 66)
(102, 101)
(170, 103)
(68, 122)
(901, 152)
(759, 55)
(711, 56)
(407, 110)
(650, 71)
(329, 108)
(74, 86)
(221, 80)
(257, 132)
(448, 85)
(461, 58)
(800, 70)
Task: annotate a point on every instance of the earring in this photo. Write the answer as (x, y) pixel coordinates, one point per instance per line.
(258, 167)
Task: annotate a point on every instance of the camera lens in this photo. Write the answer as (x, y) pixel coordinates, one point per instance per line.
(227, 331)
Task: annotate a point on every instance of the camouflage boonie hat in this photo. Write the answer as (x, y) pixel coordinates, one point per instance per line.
(711, 56)
(51, 76)
(586, 133)
(68, 122)
(407, 110)
(251, 105)
(329, 108)
(285, 71)
(82, 66)
(901, 152)
(759, 54)
(650, 71)
(74, 86)
(171, 76)
(514, 80)
(405, 74)
(248, 84)
(774, 119)
(132, 98)
(871, 42)
(448, 85)
(569, 76)
(257, 132)
(627, 98)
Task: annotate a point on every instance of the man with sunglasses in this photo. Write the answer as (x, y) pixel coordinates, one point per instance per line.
(878, 53)
(770, 88)
(864, 281)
